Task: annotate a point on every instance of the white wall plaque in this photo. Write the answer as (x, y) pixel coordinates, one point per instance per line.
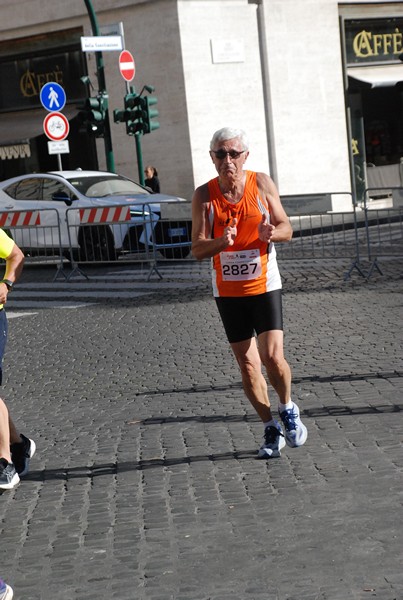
(227, 51)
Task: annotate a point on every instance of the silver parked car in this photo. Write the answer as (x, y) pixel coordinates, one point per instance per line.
(62, 191)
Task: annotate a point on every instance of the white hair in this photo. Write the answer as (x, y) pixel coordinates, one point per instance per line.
(228, 133)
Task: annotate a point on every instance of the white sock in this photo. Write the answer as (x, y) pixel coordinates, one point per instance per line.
(272, 423)
(283, 407)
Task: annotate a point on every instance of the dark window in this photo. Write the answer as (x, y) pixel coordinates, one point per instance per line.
(52, 186)
(26, 189)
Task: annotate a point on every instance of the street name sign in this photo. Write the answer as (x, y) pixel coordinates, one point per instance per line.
(112, 29)
(101, 43)
(126, 65)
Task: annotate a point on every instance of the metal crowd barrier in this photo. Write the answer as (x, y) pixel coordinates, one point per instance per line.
(37, 233)
(384, 223)
(359, 234)
(142, 233)
(172, 233)
(149, 233)
(319, 232)
(111, 233)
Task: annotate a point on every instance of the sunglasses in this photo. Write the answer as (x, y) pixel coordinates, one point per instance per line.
(220, 154)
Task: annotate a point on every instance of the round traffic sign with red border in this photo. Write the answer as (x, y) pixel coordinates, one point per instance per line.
(56, 126)
(126, 65)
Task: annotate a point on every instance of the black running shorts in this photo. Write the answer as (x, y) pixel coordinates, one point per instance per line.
(244, 316)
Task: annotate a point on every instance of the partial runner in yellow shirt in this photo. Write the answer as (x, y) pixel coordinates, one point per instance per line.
(15, 449)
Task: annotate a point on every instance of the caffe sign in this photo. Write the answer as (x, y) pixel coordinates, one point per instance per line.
(373, 40)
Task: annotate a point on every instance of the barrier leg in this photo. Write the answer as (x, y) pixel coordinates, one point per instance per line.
(60, 268)
(153, 269)
(59, 271)
(355, 265)
(374, 263)
(374, 266)
(356, 262)
(76, 270)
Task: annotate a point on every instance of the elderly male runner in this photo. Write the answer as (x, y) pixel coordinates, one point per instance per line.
(236, 218)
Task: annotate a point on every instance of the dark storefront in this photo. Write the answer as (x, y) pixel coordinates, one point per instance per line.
(25, 66)
(375, 97)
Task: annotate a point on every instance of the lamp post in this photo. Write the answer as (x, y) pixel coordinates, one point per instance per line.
(271, 147)
(110, 161)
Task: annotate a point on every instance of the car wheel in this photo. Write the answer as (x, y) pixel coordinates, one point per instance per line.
(96, 244)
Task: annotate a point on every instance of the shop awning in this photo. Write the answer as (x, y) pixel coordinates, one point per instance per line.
(17, 128)
(378, 76)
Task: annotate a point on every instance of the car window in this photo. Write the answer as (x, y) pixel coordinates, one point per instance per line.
(101, 186)
(26, 189)
(52, 186)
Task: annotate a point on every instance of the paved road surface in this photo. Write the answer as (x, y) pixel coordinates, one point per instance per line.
(145, 483)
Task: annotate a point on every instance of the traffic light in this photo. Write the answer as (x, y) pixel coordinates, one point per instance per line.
(133, 116)
(150, 113)
(137, 114)
(119, 116)
(93, 114)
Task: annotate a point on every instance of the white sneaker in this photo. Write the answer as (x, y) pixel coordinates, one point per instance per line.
(296, 433)
(6, 592)
(273, 442)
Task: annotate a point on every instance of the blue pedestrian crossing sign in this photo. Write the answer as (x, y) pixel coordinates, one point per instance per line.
(53, 97)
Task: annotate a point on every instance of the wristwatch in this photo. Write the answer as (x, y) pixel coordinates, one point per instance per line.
(8, 283)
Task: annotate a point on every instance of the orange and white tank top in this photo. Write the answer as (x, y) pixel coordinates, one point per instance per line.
(249, 267)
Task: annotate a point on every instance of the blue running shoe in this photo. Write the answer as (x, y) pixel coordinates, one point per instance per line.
(21, 453)
(296, 433)
(8, 476)
(273, 442)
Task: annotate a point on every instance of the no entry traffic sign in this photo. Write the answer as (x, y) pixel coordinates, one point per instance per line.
(56, 126)
(126, 65)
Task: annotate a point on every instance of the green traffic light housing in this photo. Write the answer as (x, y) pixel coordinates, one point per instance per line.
(131, 115)
(151, 113)
(138, 114)
(119, 116)
(130, 100)
(93, 114)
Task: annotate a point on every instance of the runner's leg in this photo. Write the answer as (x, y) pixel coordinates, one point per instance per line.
(253, 381)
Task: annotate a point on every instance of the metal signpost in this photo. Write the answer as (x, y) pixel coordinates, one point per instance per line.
(110, 159)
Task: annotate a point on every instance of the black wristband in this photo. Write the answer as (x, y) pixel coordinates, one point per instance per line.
(8, 283)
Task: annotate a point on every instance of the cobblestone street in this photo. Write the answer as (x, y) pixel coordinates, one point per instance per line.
(145, 484)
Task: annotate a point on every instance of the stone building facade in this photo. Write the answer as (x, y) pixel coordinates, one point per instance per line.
(276, 68)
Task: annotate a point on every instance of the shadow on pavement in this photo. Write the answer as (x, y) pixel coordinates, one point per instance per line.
(139, 465)
(296, 380)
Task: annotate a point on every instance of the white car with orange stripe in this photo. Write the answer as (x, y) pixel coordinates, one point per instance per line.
(97, 215)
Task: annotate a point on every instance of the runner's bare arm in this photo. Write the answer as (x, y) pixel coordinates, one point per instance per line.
(282, 231)
(202, 244)
(14, 264)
